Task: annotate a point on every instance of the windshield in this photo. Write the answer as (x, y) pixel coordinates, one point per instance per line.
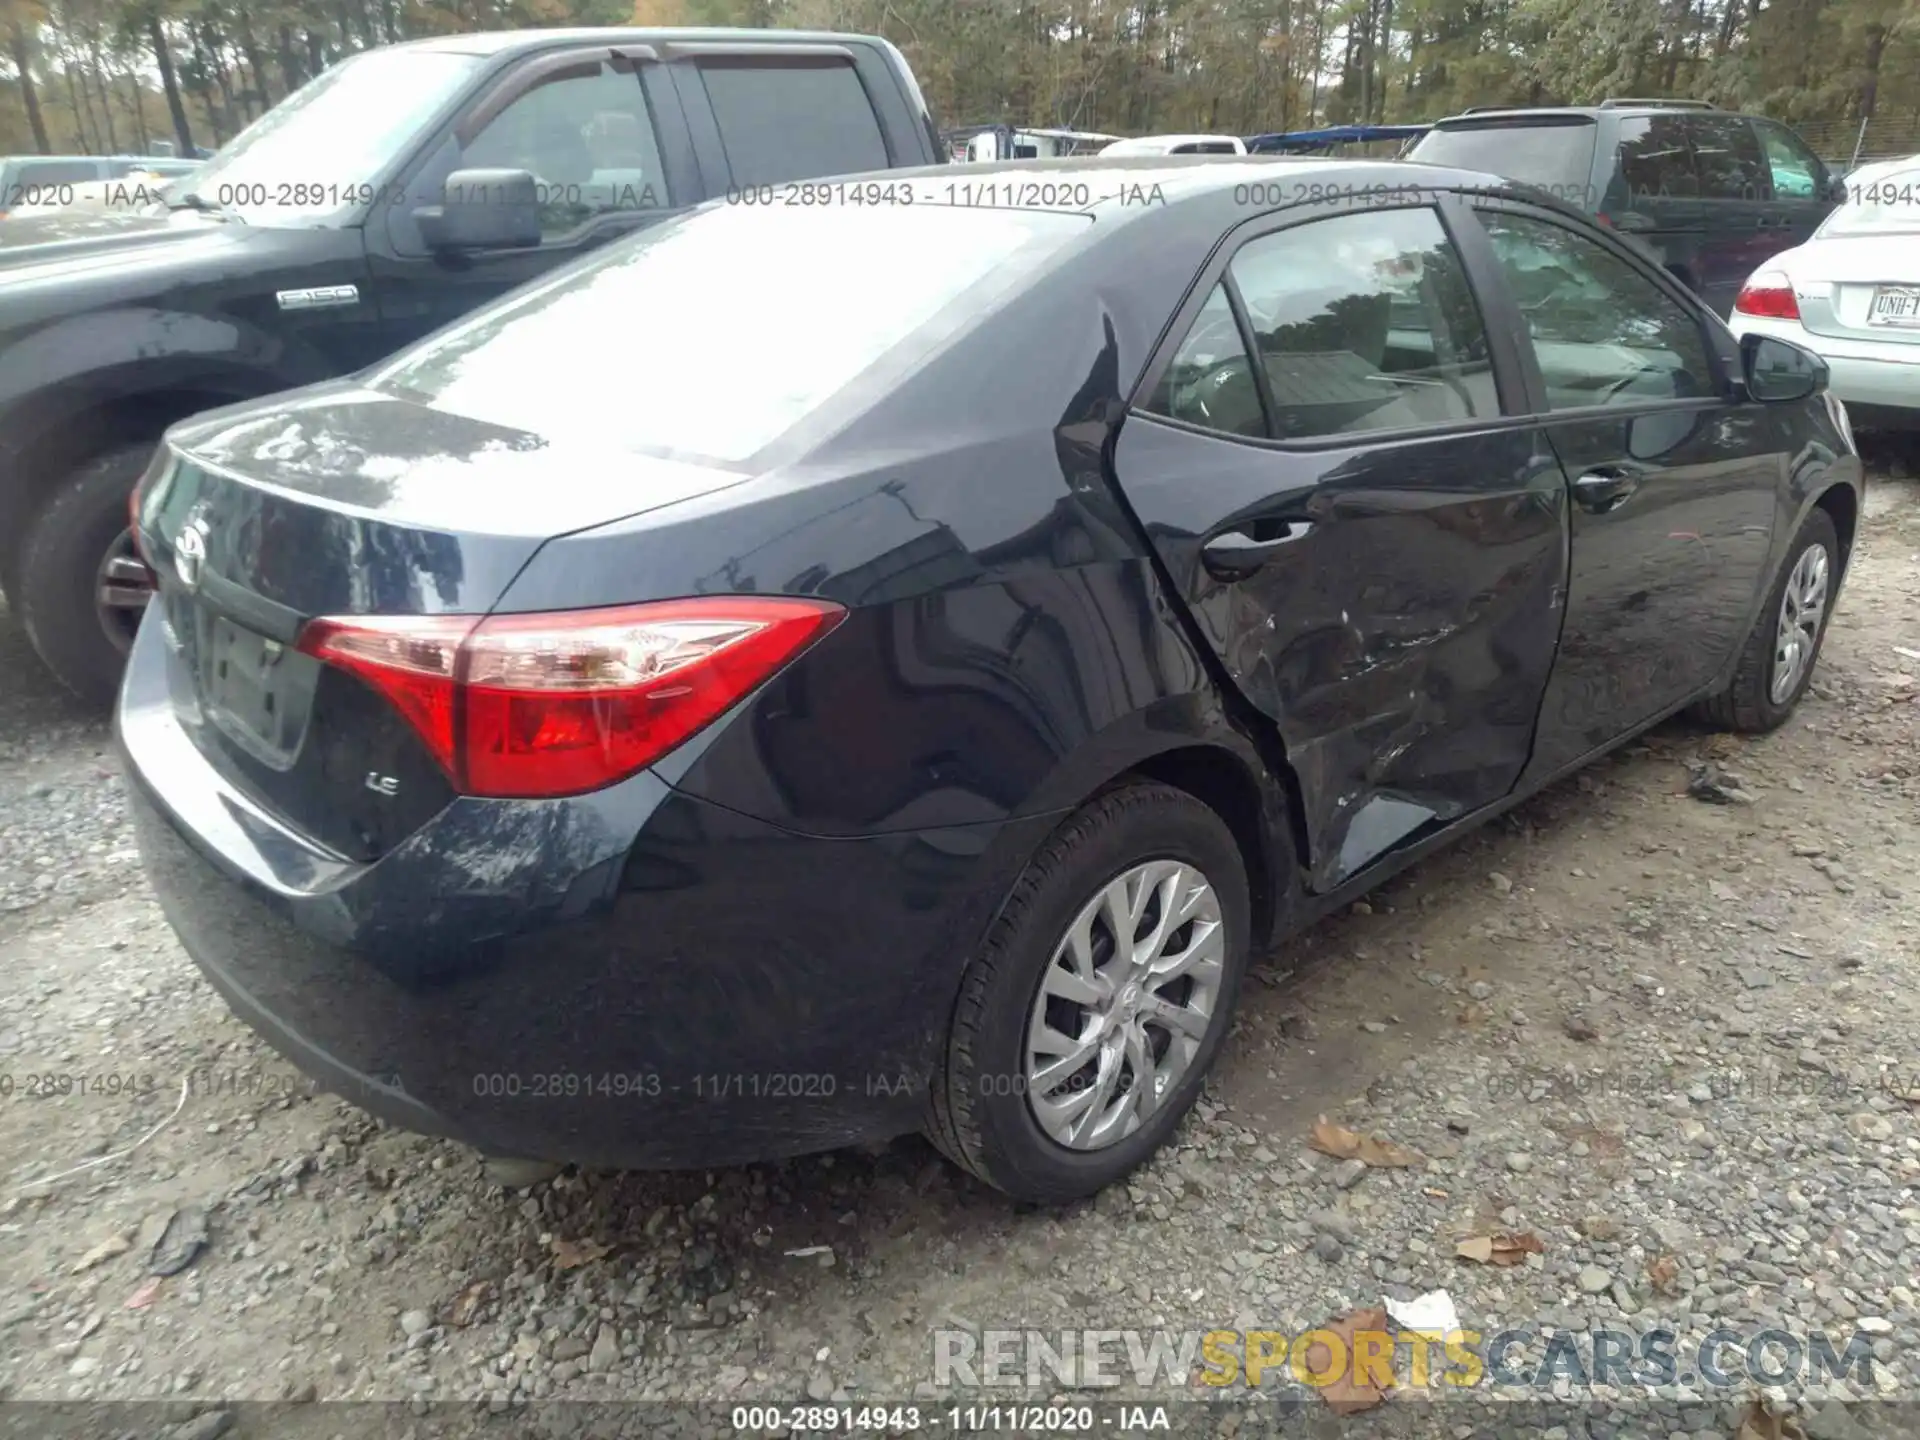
(1558, 158)
(319, 155)
(1884, 205)
(713, 334)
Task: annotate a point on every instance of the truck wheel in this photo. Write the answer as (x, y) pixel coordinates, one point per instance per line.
(82, 589)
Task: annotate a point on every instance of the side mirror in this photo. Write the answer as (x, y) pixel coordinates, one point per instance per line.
(1837, 189)
(1778, 370)
(483, 210)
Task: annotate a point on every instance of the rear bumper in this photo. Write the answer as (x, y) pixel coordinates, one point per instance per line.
(634, 978)
(1883, 376)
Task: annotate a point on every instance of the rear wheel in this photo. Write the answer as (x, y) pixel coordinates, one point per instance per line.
(81, 587)
(1087, 1023)
(1776, 665)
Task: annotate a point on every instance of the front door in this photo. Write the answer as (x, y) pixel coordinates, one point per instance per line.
(1673, 483)
(604, 136)
(1371, 542)
(1797, 180)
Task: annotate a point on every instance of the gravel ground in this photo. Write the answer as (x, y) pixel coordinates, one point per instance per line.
(1665, 1039)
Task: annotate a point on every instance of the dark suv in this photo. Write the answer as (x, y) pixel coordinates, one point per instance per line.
(1712, 194)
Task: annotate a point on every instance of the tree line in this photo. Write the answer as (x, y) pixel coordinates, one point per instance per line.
(115, 75)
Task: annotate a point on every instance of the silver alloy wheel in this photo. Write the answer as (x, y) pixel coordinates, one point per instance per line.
(121, 588)
(1803, 605)
(1125, 1004)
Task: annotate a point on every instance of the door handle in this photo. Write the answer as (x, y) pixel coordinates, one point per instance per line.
(1237, 553)
(1604, 488)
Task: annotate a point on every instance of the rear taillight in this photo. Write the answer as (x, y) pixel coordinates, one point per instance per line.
(558, 704)
(1768, 296)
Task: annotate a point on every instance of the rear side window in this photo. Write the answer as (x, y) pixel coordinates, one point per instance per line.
(1727, 158)
(1656, 159)
(1360, 323)
(793, 122)
(1210, 382)
(1365, 322)
(1550, 154)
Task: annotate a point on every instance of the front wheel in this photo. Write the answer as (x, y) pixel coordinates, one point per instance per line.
(1776, 665)
(82, 588)
(1087, 1023)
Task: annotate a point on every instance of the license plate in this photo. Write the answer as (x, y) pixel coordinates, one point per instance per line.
(252, 687)
(1895, 305)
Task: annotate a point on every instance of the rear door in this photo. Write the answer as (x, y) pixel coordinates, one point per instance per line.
(601, 130)
(1654, 193)
(1743, 226)
(1372, 542)
(1674, 484)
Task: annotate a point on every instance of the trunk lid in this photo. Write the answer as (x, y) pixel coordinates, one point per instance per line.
(1862, 288)
(344, 502)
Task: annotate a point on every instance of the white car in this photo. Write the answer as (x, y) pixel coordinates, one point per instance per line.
(1851, 295)
(1178, 145)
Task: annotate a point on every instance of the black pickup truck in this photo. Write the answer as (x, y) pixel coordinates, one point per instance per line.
(385, 199)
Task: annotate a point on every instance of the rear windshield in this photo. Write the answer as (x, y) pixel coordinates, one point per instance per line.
(1879, 205)
(1556, 156)
(713, 334)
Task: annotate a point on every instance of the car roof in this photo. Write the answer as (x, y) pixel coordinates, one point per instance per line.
(1499, 114)
(1193, 177)
(502, 42)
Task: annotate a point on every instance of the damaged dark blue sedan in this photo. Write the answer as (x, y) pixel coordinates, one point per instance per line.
(883, 661)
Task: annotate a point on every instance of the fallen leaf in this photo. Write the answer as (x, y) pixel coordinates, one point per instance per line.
(1344, 1144)
(1502, 1248)
(108, 1248)
(460, 1310)
(572, 1254)
(181, 1242)
(1663, 1272)
(148, 1292)
(1346, 1393)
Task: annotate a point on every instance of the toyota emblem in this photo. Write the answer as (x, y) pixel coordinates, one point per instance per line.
(190, 552)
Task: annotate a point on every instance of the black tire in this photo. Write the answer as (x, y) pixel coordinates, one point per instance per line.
(1747, 704)
(59, 567)
(988, 1128)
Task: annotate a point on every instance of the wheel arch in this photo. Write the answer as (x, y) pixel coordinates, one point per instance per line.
(1193, 743)
(1842, 505)
(66, 429)
(1226, 784)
